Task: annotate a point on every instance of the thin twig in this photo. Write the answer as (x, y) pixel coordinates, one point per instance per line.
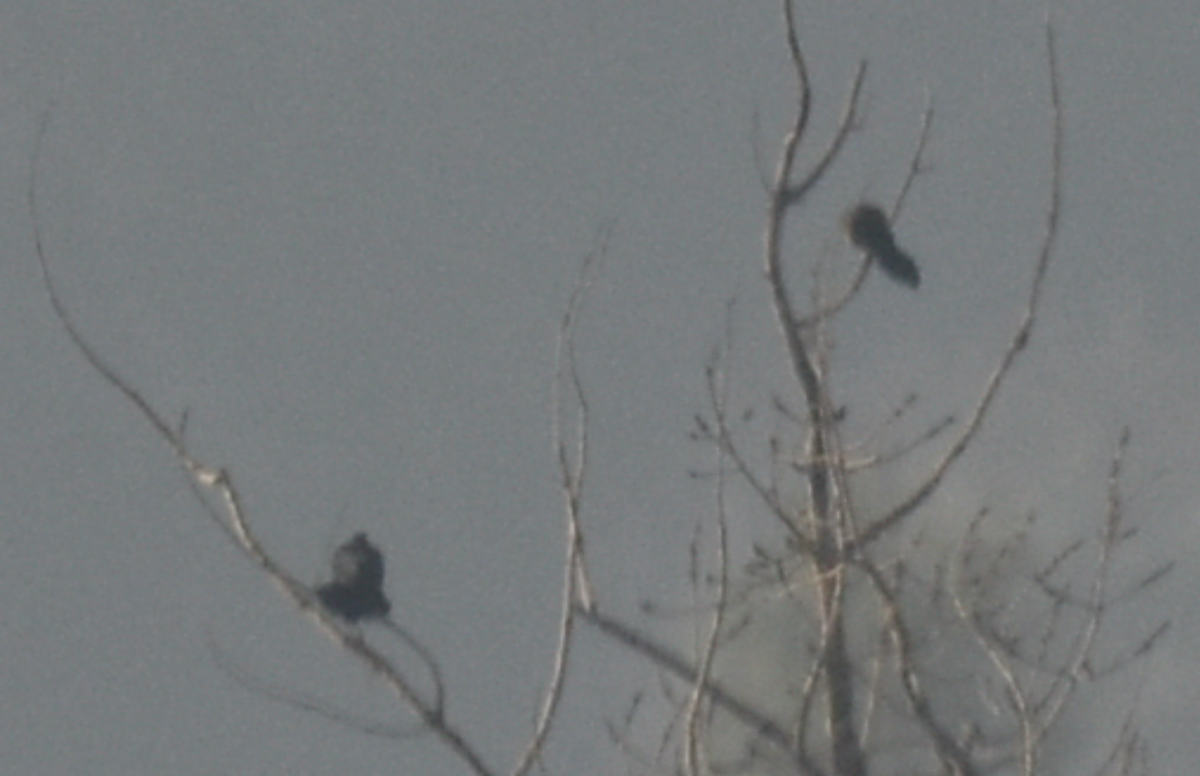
(718, 390)
(572, 471)
(309, 703)
(915, 167)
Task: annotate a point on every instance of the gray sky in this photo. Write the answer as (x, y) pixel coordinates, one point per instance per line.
(341, 237)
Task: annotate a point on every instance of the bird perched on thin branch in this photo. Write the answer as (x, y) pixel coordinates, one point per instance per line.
(868, 228)
(356, 590)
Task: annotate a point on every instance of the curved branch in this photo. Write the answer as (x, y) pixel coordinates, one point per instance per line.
(572, 470)
(915, 168)
(1024, 329)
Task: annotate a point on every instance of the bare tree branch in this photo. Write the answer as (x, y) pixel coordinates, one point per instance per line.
(216, 483)
(577, 589)
(310, 703)
(1024, 329)
(666, 658)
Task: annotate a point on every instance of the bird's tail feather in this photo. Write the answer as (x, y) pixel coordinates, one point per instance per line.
(900, 267)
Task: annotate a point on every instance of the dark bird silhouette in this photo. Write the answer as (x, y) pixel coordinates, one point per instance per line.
(356, 590)
(868, 228)
(358, 563)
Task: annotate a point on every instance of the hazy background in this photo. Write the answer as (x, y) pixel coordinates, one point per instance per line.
(341, 237)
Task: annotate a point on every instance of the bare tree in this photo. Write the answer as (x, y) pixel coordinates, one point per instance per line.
(856, 588)
(852, 598)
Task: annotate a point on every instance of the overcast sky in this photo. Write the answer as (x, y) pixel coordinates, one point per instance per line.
(341, 237)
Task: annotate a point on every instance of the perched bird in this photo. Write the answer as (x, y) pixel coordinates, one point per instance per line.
(356, 590)
(358, 563)
(868, 228)
(353, 604)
